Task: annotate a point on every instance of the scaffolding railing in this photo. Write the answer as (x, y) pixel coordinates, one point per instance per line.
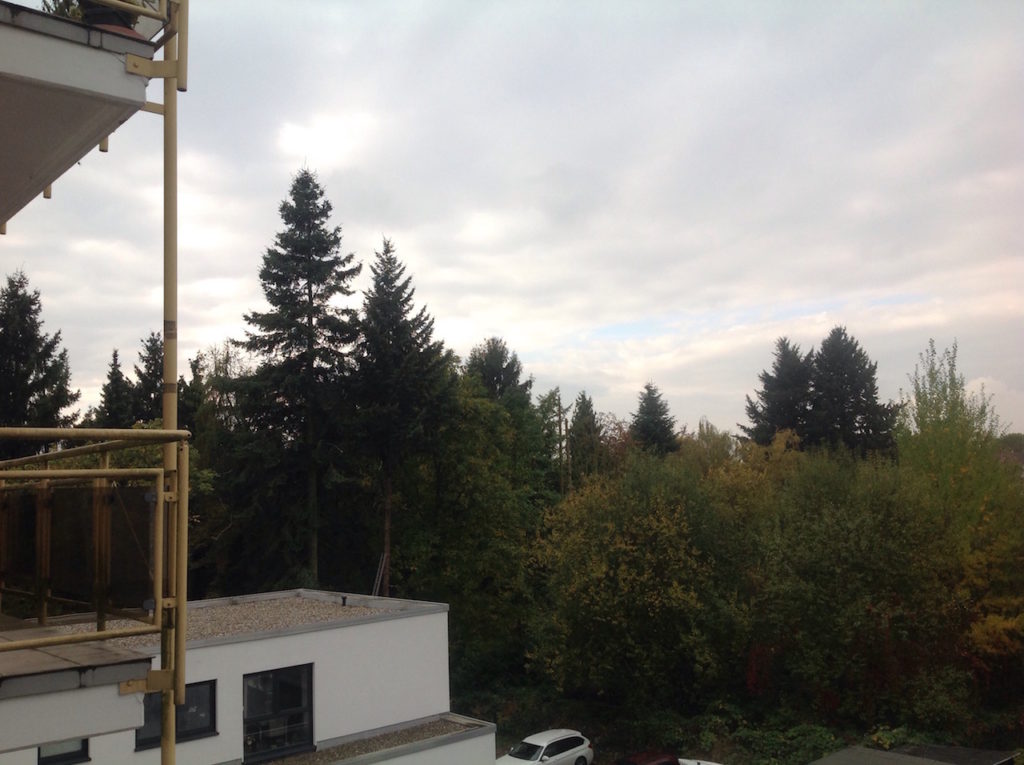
(40, 473)
(165, 23)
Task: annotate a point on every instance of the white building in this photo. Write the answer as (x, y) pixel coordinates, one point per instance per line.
(267, 676)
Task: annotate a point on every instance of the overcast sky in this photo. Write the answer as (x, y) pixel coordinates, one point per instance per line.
(623, 191)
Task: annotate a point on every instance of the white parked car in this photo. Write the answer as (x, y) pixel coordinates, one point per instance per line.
(555, 747)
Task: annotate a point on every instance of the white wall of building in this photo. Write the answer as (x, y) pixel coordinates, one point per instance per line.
(366, 675)
(48, 717)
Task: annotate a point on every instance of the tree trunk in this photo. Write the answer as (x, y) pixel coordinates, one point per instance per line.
(385, 580)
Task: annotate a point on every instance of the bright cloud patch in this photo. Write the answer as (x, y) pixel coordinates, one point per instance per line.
(330, 142)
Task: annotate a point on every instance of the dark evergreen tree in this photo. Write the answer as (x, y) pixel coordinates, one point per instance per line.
(498, 369)
(192, 393)
(586, 444)
(117, 398)
(784, 401)
(555, 434)
(149, 380)
(35, 375)
(402, 379)
(845, 410)
(652, 427)
(302, 342)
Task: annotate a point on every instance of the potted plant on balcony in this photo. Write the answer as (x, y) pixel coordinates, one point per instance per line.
(94, 14)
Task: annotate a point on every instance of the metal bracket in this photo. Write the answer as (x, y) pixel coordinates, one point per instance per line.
(155, 680)
(148, 68)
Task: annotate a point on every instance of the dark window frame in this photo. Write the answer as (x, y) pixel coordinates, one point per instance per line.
(66, 758)
(181, 734)
(276, 711)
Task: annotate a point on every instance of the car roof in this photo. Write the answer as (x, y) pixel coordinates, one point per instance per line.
(547, 736)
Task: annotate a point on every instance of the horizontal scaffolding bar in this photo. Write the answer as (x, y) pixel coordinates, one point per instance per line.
(75, 637)
(95, 434)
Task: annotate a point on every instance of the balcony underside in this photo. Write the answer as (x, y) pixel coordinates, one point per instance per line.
(64, 88)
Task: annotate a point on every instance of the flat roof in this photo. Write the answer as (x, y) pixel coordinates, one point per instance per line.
(29, 671)
(916, 755)
(254, 617)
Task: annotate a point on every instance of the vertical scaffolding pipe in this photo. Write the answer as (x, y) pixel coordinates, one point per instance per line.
(3, 540)
(169, 661)
(181, 617)
(44, 518)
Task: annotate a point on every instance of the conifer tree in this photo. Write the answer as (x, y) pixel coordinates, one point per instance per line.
(302, 341)
(585, 439)
(117, 398)
(402, 379)
(652, 427)
(149, 380)
(784, 401)
(35, 375)
(498, 370)
(845, 410)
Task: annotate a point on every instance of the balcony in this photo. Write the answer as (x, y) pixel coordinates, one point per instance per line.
(64, 87)
(91, 521)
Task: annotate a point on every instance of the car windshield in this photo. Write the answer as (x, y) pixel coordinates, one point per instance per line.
(524, 751)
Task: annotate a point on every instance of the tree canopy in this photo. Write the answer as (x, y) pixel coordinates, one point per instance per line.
(653, 428)
(117, 398)
(402, 379)
(827, 398)
(35, 376)
(302, 341)
(498, 369)
(784, 400)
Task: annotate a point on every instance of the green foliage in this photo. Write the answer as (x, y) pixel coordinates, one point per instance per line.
(797, 745)
(949, 439)
(586, 446)
(652, 426)
(466, 536)
(555, 439)
(784, 401)
(403, 380)
(67, 8)
(827, 399)
(845, 410)
(302, 339)
(498, 370)
(147, 391)
(116, 398)
(35, 376)
(302, 342)
(623, 588)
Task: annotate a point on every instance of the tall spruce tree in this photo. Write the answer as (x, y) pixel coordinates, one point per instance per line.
(784, 401)
(302, 341)
(652, 426)
(498, 370)
(586, 445)
(845, 410)
(35, 376)
(555, 435)
(402, 378)
(149, 380)
(117, 398)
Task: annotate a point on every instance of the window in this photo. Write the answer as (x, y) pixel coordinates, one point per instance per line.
(64, 752)
(563, 745)
(277, 712)
(196, 718)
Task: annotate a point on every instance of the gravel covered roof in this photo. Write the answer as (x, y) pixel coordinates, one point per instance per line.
(225, 618)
